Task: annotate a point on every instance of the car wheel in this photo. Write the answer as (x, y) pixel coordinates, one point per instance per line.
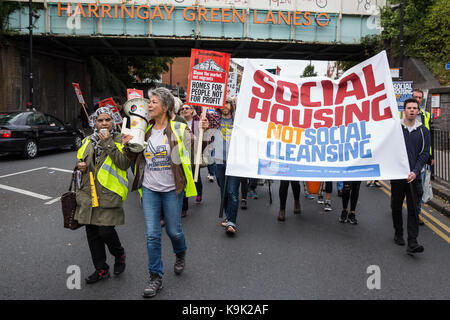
(30, 150)
(77, 142)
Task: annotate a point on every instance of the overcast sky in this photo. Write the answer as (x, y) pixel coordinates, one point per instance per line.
(289, 68)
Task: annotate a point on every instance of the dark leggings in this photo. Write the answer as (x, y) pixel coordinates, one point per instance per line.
(245, 185)
(284, 185)
(353, 188)
(98, 237)
(328, 187)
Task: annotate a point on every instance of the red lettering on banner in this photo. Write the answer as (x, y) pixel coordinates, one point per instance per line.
(286, 114)
(254, 108)
(338, 116)
(306, 95)
(370, 81)
(259, 78)
(361, 115)
(328, 91)
(320, 115)
(376, 109)
(293, 88)
(358, 90)
(307, 118)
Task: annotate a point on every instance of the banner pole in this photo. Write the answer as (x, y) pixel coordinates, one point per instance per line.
(198, 156)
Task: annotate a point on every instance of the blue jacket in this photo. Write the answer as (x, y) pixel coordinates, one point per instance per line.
(417, 147)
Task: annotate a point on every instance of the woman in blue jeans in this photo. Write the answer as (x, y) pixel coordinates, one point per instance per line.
(164, 175)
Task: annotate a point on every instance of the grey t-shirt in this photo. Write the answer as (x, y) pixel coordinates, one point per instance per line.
(222, 139)
(158, 175)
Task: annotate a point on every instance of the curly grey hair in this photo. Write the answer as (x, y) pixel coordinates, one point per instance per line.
(166, 98)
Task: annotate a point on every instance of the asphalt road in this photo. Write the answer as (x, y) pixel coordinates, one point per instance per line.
(309, 256)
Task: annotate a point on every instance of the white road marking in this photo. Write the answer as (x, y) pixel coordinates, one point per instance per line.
(13, 174)
(25, 192)
(63, 170)
(53, 201)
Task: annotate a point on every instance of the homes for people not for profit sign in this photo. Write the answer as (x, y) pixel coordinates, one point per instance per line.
(318, 129)
(208, 78)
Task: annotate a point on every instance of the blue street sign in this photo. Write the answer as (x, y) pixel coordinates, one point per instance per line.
(447, 66)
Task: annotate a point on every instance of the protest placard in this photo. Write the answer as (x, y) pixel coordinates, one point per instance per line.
(77, 89)
(208, 78)
(109, 102)
(403, 91)
(134, 93)
(318, 129)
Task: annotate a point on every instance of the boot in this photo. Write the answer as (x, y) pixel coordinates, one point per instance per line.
(297, 208)
(282, 215)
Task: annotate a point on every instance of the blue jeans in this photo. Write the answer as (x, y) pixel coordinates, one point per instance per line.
(232, 193)
(171, 203)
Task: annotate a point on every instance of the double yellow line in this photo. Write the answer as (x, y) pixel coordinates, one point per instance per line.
(387, 189)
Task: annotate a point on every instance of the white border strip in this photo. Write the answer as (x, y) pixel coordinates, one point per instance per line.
(53, 201)
(13, 174)
(58, 169)
(25, 192)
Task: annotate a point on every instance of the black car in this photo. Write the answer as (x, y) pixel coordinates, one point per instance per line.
(28, 132)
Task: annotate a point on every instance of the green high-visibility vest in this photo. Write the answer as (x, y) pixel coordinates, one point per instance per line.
(178, 129)
(109, 175)
(426, 118)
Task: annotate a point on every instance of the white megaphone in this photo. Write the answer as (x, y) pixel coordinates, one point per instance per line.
(137, 110)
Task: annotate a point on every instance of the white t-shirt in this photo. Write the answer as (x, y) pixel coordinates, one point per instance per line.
(158, 174)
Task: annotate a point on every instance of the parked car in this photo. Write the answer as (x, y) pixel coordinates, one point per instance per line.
(28, 132)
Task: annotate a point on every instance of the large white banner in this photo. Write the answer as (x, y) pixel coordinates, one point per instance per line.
(318, 129)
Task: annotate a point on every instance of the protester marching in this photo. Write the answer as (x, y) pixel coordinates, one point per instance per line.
(309, 131)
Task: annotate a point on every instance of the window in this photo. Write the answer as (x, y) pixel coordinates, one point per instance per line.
(36, 119)
(54, 122)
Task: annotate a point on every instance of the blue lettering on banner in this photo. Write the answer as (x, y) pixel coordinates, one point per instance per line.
(280, 169)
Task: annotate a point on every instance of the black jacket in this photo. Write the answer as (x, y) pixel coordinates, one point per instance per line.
(417, 147)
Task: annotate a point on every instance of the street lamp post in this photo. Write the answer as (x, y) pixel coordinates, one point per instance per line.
(30, 38)
(402, 15)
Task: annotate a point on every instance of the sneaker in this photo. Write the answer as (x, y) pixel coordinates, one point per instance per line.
(377, 184)
(414, 248)
(244, 204)
(320, 199)
(198, 199)
(399, 240)
(210, 178)
(309, 196)
(369, 184)
(297, 207)
(327, 206)
(351, 218)
(153, 286)
(97, 276)
(179, 263)
(343, 217)
(119, 265)
(230, 230)
(281, 215)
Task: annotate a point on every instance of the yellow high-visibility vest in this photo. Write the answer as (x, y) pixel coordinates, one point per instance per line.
(178, 129)
(109, 175)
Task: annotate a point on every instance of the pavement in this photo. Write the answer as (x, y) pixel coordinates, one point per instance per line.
(441, 196)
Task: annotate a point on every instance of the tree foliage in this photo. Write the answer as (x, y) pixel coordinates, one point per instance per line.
(309, 71)
(426, 35)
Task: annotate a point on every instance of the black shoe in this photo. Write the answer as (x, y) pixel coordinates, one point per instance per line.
(297, 207)
(399, 240)
(119, 265)
(343, 217)
(351, 218)
(153, 286)
(97, 276)
(415, 248)
(244, 204)
(179, 263)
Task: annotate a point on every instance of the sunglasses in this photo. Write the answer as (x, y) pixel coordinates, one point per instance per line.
(186, 108)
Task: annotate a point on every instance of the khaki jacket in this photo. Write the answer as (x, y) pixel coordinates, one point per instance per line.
(110, 210)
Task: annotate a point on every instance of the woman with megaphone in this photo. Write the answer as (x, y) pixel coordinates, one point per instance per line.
(102, 191)
(163, 175)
